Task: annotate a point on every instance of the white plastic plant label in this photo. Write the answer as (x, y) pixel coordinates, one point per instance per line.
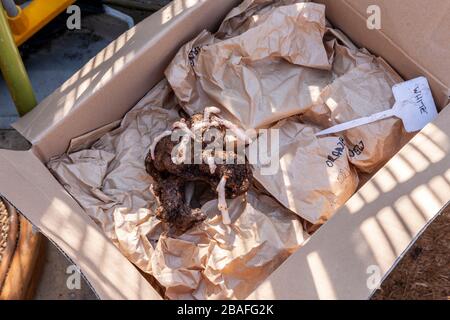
(414, 105)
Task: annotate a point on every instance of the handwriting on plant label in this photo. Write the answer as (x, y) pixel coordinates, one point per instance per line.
(414, 104)
(419, 100)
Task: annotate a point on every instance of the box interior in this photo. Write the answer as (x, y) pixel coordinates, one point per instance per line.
(374, 228)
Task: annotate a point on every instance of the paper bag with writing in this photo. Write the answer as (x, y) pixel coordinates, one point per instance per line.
(210, 261)
(362, 86)
(303, 67)
(267, 62)
(276, 68)
(314, 177)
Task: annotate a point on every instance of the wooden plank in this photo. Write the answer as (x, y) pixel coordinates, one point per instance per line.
(25, 259)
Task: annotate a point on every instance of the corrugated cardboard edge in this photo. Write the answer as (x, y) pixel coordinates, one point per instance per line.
(365, 240)
(133, 63)
(35, 192)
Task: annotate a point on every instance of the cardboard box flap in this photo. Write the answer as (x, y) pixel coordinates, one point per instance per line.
(29, 186)
(133, 63)
(400, 41)
(421, 30)
(359, 246)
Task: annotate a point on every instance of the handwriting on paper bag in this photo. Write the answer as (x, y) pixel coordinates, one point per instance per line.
(357, 149)
(343, 175)
(193, 55)
(337, 153)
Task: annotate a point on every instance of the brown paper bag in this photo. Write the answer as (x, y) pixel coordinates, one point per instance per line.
(209, 261)
(275, 69)
(109, 179)
(215, 261)
(268, 61)
(242, 18)
(362, 86)
(314, 177)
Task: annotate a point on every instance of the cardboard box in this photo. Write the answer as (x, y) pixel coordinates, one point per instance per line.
(366, 238)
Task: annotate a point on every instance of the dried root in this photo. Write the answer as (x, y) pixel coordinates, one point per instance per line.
(222, 204)
(240, 134)
(174, 176)
(157, 140)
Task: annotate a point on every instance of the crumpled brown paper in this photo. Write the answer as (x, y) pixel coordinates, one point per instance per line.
(109, 179)
(315, 177)
(275, 69)
(274, 59)
(216, 261)
(271, 64)
(210, 261)
(242, 17)
(362, 86)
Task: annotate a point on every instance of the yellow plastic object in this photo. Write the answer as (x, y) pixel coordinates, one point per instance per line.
(35, 16)
(13, 70)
